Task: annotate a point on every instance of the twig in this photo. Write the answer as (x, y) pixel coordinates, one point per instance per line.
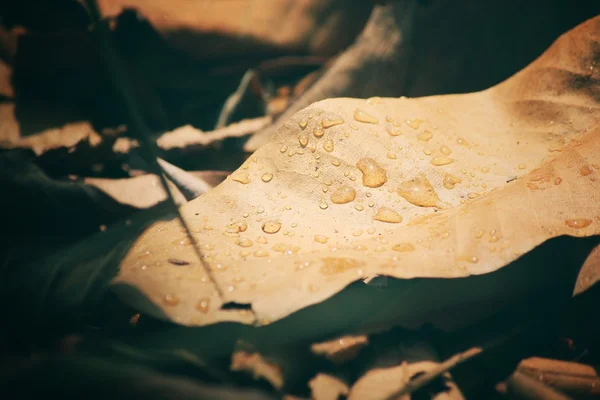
(148, 146)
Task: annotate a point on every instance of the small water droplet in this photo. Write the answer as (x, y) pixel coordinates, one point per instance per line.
(389, 119)
(391, 156)
(203, 305)
(343, 195)
(394, 131)
(318, 132)
(244, 242)
(336, 162)
(359, 207)
(450, 181)
(321, 239)
(241, 177)
(472, 195)
(557, 180)
(445, 150)
(323, 205)
(403, 247)
(171, 299)
(473, 259)
(303, 123)
(479, 233)
(521, 166)
(328, 145)
(328, 123)
(425, 136)
(462, 142)
(413, 123)
(578, 223)
(427, 152)
(373, 174)
(261, 253)
(357, 232)
(237, 227)
(420, 192)
(441, 160)
(385, 214)
(185, 241)
(371, 230)
(362, 116)
(271, 227)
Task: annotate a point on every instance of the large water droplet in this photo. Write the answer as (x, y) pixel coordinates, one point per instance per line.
(328, 145)
(578, 223)
(261, 253)
(203, 305)
(266, 177)
(373, 174)
(318, 132)
(328, 123)
(303, 123)
(343, 195)
(321, 239)
(303, 140)
(441, 160)
(362, 116)
(241, 177)
(420, 192)
(425, 136)
(271, 227)
(385, 214)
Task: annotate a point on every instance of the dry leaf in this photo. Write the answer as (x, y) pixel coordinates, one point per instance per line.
(221, 28)
(258, 366)
(342, 349)
(434, 187)
(327, 387)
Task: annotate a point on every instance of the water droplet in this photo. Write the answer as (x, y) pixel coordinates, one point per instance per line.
(271, 227)
(425, 136)
(420, 192)
(493, 238)
(261, 253)
(244, 242)
(585, 170)
(266, 177)
(303, 140)
(328, 145)
(336, 162)
(445, 150)
(286, 248)
(394, 131)
(323, 205)
(318, 132)
(557, 180)
(321, 239)
(303, 123)
(472, 195)
(441, 160)
(362, 116)
(463, 142)
(427, 152)
(358, 207)
(237, 227)
(244, 253)
(404, 247)
(389, 119)
(450, 181)
(185, 241)
(241, 177)
(385, 214)
(203, 305)
(328, 123)
(521, 166)
(371, 230)
(373, 174)
(343, 195)
(578, 223)
(413, 123)
(391, 156)
(171, 299)
(357, 232)
(473, 259)
(485, 169)
(479, 234)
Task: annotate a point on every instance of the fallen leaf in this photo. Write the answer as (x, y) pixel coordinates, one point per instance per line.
(258, 366)
(220, 29)
(440, 163)
(340, 350)
(327, 387)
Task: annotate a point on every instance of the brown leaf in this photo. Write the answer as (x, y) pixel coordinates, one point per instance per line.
(340, 350)
(258, 366)
(408, 188)
(327, 387)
